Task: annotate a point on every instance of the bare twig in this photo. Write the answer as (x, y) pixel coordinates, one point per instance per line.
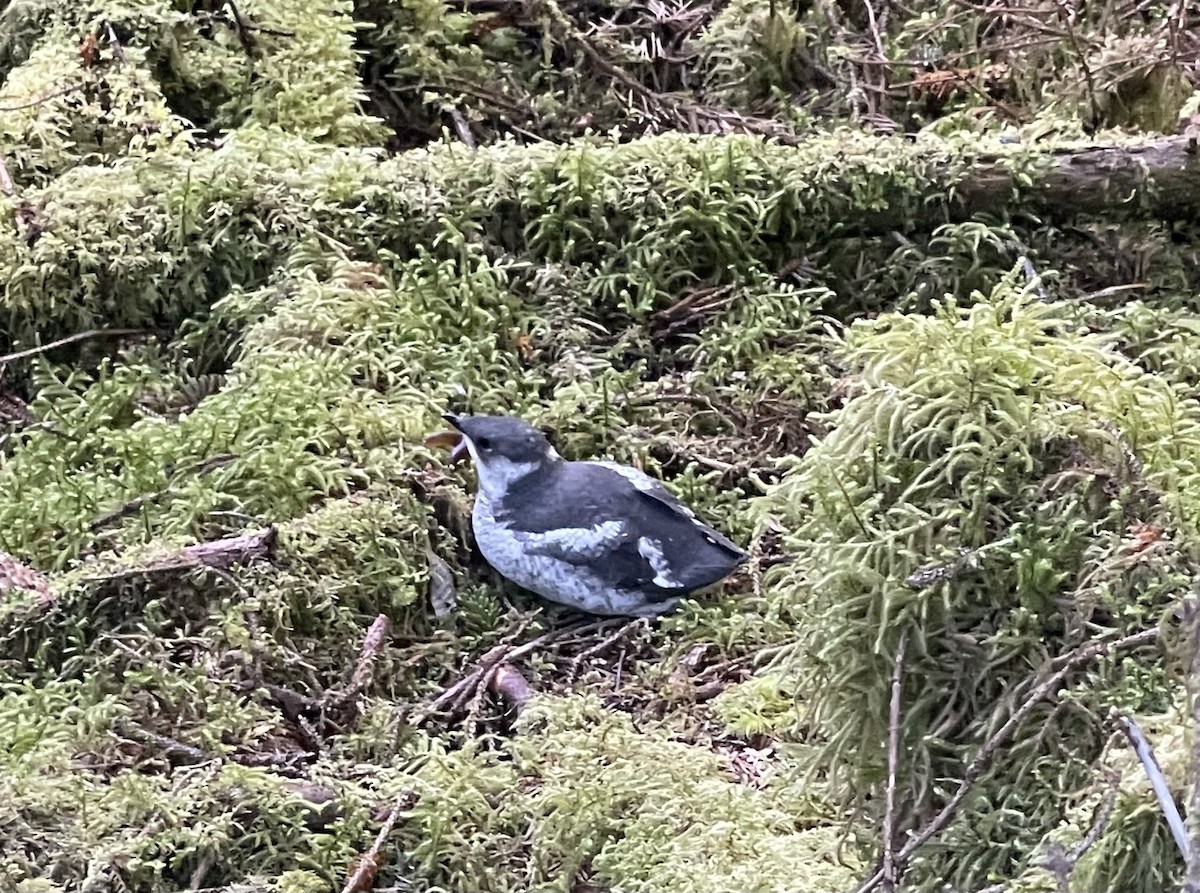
(508, 682)
(893, 759)
(118, 50)
(41, 99)
(1068, 16)
(183, 753)
(372, 645)
(462, 128)
(877, 39)
(983, 757)
(1100, 822)
(625, 630)
(1162, 790)
(63, 342)
(1034, 279)
(456, 697)
(362, 877)
(1191, 621)
(443, 597)
(206, 863)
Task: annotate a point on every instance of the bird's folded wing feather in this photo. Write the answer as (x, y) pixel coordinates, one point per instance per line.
(656, 491)
(575, 544)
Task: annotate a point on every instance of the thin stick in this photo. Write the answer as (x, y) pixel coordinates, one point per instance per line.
(893, 759)
(460, 693)
(362, 878)
(372, 645)
(33, 102)
(1191, 619)
(63, 342)
(1162, 791)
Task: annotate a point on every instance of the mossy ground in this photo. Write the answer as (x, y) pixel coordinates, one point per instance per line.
(856, 404)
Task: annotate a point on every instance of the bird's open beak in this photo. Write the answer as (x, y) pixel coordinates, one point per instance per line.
(454, 440)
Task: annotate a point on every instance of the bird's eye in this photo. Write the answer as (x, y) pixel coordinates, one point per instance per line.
(483, 443)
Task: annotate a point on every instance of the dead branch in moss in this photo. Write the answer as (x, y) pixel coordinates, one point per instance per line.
(983, 758)
(662, 111)
(1191, 620)
(626, 630)
(33, 103)
(443, 597)
(1160, 179)
(176, 751)
(458, 697)
(372, 645)
(507, 682)
(221, 554)
(1162, 791)
(1100, 821)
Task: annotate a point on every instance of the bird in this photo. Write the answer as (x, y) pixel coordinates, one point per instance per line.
(596, 536)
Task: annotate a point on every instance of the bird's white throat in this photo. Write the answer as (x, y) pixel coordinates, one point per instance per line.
(497, 473)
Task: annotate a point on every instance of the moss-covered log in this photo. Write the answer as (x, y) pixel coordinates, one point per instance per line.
(1156, 179)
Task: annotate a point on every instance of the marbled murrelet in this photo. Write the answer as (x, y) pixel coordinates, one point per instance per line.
(596, 536)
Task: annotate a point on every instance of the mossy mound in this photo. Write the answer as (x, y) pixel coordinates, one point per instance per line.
(999, 488)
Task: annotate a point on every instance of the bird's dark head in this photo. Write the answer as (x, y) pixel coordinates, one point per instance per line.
(504, 449)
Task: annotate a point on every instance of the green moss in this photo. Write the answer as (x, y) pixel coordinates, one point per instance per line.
(309, 306)
(760, 705)
(306, 80)
(751, 48)
(574, 793)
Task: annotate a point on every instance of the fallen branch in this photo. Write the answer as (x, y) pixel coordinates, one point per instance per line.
(206, 863)
(36, 102)
(623, 632)
(1158, 179)
(1059, 861)
(114, 43)
(372, 645)
(1191, 621)
(507, 682)
(983, 757)
(458, 696)
(219, 554)
(184, 753)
